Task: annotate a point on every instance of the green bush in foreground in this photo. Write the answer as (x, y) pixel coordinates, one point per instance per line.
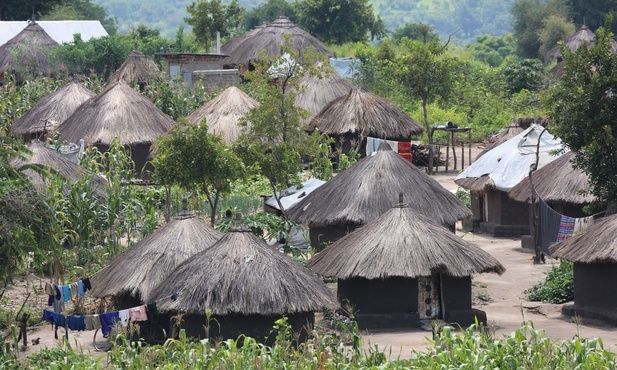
(558, 287)
(526, 348)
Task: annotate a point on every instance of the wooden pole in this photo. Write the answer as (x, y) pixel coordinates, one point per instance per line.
(534, 214)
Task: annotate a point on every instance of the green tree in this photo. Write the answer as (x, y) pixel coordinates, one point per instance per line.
(209, 17)
(583, 106)
(276, 145)
(529, 74)
(554, 29)
(492, 50)
(340, 21)
(194, 159)
(426, 74)
(22, 10)
(592, 13)
(268, 12)
(415, 31)
(81, 10)
(529, 16)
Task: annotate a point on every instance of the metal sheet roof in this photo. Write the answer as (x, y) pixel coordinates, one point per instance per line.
(60, 31)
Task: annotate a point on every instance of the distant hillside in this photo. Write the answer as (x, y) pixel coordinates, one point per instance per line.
(470, 17)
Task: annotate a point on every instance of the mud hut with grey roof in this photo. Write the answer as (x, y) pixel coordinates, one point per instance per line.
(137, 69)
(223, 112)
(353, 117)
(118, 112)
(245, 49)
(365, 190)
(50, 111)
(594, 254)
(315, 93)
(247, 285)
(403, 267)
(28, 54)
(50, 160)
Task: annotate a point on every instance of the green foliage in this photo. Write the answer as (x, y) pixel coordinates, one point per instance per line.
(554, 29)
(557, 287)
(22, 10)
(265, 225)
(582, 104)
(529, 17)
(340, 21)
(175, 99)
(592, 13)
(209, 17)
(81, 10)
(529, 74)
(268, 12)
(415, 31)
(492, 50)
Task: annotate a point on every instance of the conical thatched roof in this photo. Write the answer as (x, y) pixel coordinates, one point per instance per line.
(573, 42)
(117, 111)
(365, 191)
(42, 156)
(223, 112)
(137, 69)
(52, 110)
(241, 274)
(402, 243)
(315, 93)
(557, 182)
(363, 113)
(139, 269)
(597, 244)
(246, 48)
(29, 50)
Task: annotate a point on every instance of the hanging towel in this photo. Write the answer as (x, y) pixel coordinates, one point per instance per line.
(47, 316)
(138, 313)
(548, 226)
(566, 228)
(77, 323)
(92, 322)
(66, 293)
(124, 316)
(108, 320)
(49, 289)
(74, 291)
(80, 288)
(580, 224)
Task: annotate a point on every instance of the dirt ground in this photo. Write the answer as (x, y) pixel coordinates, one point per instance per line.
(501, 297)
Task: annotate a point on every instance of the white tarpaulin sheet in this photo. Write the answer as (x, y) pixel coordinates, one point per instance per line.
(293, 195)
(509, 163)
(60, 31)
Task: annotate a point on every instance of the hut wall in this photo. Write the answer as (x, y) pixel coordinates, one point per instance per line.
(503, 216)
(321, 237)
(186, 62)
(477, 205)
(569, 209)
(217, 79)
(389, 302)
(594, 285)
(258, 327)
(456, 301)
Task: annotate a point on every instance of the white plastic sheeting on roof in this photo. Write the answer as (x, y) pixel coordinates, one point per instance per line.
(509, 163)
(344, 66)
(60, 31)
(293, 194)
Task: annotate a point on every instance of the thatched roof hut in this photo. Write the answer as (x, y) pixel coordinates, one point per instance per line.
(246, 48)
(133, 274)
(51, 110)
(223, 112)
(137, 69)
(118, 112)
(401, 246)
(29, 51)
(315, 93)
(557, 182)
(365, 190)
(40, 155)
(573, 42)
(242, 280)
(594, 253)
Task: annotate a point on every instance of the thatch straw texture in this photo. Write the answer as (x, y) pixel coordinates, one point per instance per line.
(269, 37)
(40, 155)
(137, 69)
(223, 112)
(52, 110)
(402, 243)
(241, 274)
(557, 182)
(365, 114)
(365, 191)
(315, 93)
(143, 266)
(597, 244)
(28, 50)
(117, 111)
(573, 42)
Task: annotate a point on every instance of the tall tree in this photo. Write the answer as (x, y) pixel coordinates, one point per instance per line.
(415, 31)
(210, 17)
(593, 12)
(340, 21)
(529, 16)
(583, 105)
(21, 10)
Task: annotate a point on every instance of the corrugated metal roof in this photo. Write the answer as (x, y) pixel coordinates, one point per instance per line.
(60, 31)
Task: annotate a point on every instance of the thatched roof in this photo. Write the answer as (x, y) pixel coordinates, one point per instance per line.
(139, 269)
(597, 244)
(29, 50)
(241, 274)
(42, 156)
(223, 112)
(573, 42)
(557, 182)
(366, 114)
(365, 191)
(402, 243)
(315, 93)
(117, 111)
(52, 110)
(137, 69)
(246, 48)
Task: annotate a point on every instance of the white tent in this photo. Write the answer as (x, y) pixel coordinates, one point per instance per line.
(509, 163)
(59, 31)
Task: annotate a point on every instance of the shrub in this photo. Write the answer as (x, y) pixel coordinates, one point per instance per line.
(558, 287)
